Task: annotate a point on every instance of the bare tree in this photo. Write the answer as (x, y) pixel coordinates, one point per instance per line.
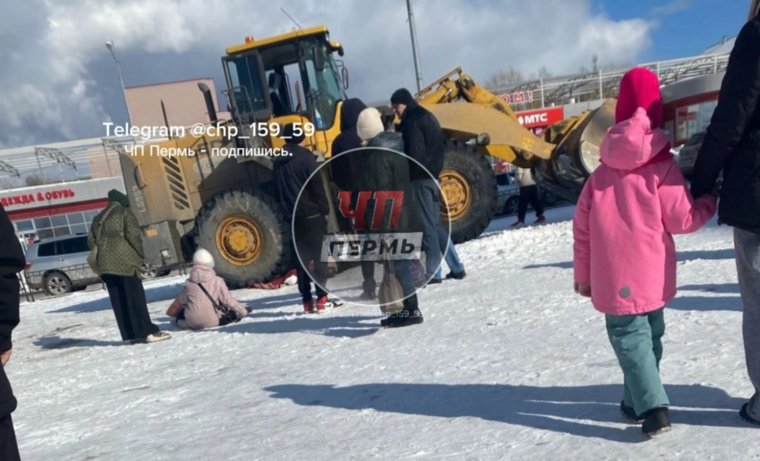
(543, 73)
(34, 180)
(505, 79)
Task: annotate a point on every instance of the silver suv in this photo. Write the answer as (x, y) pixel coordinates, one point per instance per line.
(59, 265)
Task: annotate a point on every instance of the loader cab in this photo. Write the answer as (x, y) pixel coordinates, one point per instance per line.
(286, 78)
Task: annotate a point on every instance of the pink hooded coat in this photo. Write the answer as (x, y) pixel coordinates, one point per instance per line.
(631, 205)
(198, 308)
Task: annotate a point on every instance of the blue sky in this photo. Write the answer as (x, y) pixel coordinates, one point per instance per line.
(684, 27)
(69, 87)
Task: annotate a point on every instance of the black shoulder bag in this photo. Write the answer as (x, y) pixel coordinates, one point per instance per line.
(227, 315)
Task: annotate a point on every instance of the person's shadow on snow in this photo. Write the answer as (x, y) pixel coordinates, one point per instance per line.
(586, 411)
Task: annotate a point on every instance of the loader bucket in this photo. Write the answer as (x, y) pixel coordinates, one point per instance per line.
(576, 154)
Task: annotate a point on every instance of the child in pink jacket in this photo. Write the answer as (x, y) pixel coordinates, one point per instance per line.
(624, 254)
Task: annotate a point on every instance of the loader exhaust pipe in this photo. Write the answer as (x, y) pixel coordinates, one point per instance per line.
(209, 102)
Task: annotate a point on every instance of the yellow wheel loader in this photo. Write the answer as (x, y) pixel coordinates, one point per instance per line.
(214, 189)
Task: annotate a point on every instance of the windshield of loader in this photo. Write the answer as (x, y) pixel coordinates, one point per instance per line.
(323, 86)
(246, 93)
(302, 78)
(291, 77)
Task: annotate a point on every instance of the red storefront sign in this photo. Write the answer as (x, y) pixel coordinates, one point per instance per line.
(33, 198)
(518, 97)
(540, 118)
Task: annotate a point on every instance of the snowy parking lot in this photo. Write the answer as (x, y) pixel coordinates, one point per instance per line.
(509, 364)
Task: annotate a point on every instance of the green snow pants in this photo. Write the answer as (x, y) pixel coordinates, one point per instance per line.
(637, 341)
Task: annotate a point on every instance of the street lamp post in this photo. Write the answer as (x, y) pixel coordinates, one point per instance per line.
(110, 47)
(415, 51)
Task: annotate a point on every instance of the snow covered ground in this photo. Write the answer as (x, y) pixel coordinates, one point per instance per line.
(509, 364)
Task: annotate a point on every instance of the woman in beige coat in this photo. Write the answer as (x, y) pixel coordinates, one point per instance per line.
(193, 308)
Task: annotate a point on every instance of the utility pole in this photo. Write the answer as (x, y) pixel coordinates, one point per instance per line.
(112, 50)
(415, 51)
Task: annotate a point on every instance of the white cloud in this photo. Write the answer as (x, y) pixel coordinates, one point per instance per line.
(62, 85)
(672, 7)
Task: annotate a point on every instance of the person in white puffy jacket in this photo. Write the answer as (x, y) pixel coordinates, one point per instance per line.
(528, 195)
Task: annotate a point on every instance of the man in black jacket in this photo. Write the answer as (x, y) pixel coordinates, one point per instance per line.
(348, 139)
(11, 262)
(732, 145)
(385, 170)
(344, 172)
(307, 213)
(424, 142)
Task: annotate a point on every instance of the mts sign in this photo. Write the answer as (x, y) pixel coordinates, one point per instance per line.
(540, 118)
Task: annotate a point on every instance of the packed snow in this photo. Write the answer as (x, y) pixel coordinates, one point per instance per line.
(509, 364)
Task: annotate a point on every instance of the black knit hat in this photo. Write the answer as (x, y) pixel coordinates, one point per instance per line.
(402, 96)
(118, 196)
(289, 137)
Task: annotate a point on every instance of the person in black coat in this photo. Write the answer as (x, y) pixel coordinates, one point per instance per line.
(732, 145)
(424, 142)
(384, 170)
(11, 262)
(344, 171)
(348, 139)
(307, 214)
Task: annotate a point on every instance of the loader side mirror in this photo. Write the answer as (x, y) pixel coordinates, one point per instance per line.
(344, 77)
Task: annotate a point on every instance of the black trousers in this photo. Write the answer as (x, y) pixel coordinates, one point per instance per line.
(403, 271)
(368, 275)
(529, 194)
(309, 233)
(8, 444)
(129, 306)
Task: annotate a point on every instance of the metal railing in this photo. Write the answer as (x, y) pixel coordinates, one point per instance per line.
(61, 162)
(603, 84)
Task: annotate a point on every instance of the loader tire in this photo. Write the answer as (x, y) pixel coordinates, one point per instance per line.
(469, 187)
(247, 236)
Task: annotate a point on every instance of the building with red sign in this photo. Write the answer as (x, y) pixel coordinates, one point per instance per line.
(688, 106)
(54, 210)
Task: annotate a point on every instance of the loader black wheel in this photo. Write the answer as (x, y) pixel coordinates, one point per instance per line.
(246, 234)
(469, 188)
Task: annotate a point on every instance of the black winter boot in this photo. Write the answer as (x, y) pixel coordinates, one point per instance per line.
(409, 315)
(656, 421)
(630, 414)
(744, 413)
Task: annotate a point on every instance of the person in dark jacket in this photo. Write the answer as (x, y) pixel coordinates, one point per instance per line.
(424, 142)
(344, 171)
(732, 145)
(340, 167)
(384, 170)
(11, 262)
(307, 214)
(118, 237)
